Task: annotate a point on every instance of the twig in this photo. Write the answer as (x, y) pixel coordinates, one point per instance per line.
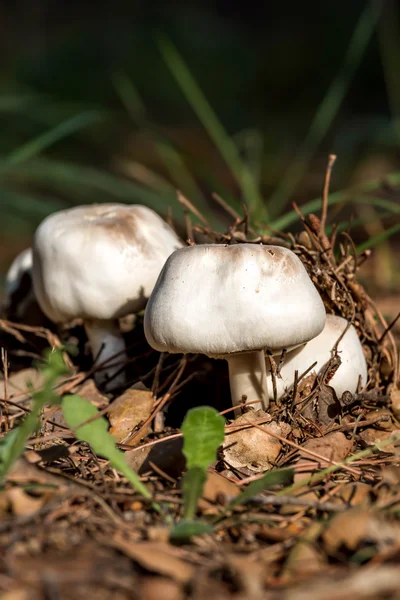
(296, 501)
(160, 405)
(186, 203)
(231, 211)
(4, 360)
(325, 195)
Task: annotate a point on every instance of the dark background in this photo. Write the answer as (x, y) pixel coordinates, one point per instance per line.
(289, 82)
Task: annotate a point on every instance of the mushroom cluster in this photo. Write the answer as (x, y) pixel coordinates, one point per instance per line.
(233, 302)
(99, 263)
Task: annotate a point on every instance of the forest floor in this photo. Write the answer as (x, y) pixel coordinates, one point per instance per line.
(72, 527)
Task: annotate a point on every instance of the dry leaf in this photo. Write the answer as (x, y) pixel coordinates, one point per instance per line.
(326, 408)
(155, 557)
(304, 559)
(128, 411)
(154, 588)
(355, 493)
(372, 436)
(252, 447)
(247, 573)
(89, 391)
(22, 504)
(395, 403)
(165, 455)
(21, 594)
(358, 526)
(217, 488)
(17, 384)
(333, 446)
(23, 472)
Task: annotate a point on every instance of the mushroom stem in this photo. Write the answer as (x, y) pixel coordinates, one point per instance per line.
(106, 341)
(248, 377)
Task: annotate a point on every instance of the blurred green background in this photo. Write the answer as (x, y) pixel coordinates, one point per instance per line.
(118, 101)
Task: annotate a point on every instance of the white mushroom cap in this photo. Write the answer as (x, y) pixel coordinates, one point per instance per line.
(99, 261)
(353, 364)
(217, 300)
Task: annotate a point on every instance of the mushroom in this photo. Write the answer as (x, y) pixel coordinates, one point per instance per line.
(231, 302)
(352, 371)
(99, 263)
(18, 291)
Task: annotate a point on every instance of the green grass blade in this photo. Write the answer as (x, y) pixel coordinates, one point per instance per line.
(88, 183)
(49, 138)
(129, 97)
(378, 239)
(356, 195)
(213, 126)
(33, 205)
(169, 155)
(185, 530)
(329, 107)
(280, 476)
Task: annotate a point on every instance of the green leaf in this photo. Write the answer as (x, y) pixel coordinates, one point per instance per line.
(184, 530)
(13, 444)
(9, 451)
(192, 489)
(203, 433)
(281, 476)
(77, 411)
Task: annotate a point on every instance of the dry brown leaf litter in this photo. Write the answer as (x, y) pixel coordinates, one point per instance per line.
(72, 527)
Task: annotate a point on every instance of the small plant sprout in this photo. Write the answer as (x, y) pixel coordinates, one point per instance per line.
(100, 263)
(337, 333)
(231, 302)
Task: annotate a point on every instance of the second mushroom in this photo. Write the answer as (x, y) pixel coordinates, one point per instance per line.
(99, 263)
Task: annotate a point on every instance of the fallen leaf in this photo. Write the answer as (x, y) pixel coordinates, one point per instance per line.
(305, 558)
(248, 574)
(395, 403)
(372, 436)
(325, 409)
(128, 411)
(155, 557)
(357, 527)
(217, 488)
(23, 472)
(253, 448)
(154, 588)
(17, 384)
(355, 493)
(89, 391)
(21, 594)
(23, 505)
(331, 447)
(167, 456)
